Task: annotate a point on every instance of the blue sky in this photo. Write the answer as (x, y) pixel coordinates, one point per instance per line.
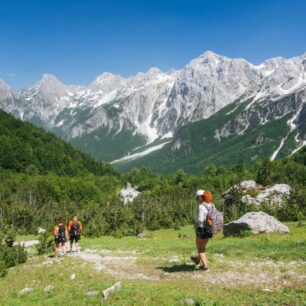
(78, 40)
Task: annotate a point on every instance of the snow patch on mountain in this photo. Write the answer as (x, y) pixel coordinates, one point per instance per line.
(140, 154)
(278, 149)
(154, 104)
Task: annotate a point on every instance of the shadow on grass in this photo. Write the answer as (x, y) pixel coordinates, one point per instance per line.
(178, 268)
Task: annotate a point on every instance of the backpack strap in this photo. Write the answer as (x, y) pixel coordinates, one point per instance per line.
(208, 210)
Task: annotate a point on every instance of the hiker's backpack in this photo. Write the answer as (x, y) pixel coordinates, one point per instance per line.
(75, 228)
(60, 235)
(214, 219)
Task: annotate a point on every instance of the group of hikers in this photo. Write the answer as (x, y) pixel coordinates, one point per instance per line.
(208, 222)
(62, 233)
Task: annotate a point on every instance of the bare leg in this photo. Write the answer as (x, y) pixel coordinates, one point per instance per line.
(201, 243)
(71, 244)
(56, 249)
(76, 246)
(64, 248)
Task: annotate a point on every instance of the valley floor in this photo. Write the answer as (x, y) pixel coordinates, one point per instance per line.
(267, 269)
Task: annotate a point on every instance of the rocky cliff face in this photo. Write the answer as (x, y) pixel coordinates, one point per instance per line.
(151, 106)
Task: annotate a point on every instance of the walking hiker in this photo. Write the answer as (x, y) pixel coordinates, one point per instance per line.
(75, 228)
(203, 229)
(60, 233)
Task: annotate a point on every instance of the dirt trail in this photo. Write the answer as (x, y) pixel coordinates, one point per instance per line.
(126, 265)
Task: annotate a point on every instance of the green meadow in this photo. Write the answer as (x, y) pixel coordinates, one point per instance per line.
(266, 269)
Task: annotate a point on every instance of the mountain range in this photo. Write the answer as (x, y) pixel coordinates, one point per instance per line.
(214, 110)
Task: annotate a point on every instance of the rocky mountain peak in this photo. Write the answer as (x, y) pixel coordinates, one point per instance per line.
(50, 85)
(5, 90)
(107, 82)
(150, 105)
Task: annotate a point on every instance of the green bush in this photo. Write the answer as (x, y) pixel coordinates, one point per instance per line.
(46, 244)
(167, 201)
(3, 269)
(10, 257)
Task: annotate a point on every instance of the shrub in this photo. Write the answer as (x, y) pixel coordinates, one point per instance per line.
(3, 269)
(45, 245)
(10, 257)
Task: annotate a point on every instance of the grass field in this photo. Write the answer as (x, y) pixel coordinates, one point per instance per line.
(267, 269)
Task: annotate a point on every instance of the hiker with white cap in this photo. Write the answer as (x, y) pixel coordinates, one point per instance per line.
(203, 234)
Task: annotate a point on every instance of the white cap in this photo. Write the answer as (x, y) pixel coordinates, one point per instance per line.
(200, 192)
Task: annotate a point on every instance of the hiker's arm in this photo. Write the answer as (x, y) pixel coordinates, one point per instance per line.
(201, 215)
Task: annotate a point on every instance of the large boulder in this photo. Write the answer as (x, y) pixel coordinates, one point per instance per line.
(256, 222)
(275, 194)
(255, 194)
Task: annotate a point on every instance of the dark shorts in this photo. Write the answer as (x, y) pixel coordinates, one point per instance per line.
(75, 238)
(59, 241)
(203, 233)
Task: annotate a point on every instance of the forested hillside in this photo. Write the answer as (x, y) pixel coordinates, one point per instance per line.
(43, 178)
(26, 148)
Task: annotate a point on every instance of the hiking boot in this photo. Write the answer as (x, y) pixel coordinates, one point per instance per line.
(202, 268)
(195, 260)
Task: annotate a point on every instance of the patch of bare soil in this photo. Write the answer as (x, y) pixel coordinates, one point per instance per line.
(267, 273)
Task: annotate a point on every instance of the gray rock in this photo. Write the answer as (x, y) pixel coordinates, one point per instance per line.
(92, 293)
(111, 290)
(248, 200)
(256, 222)
(128, 194)
(27, 244)
(266, 290)
(189, 302)
(49, 288)
(72, 277)
(40, 230)
(275, 194)
(144, 235)
(141, 235)
(248, 184)
(25, 290)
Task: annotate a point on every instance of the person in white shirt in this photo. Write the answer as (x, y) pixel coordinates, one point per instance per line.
(203, 233)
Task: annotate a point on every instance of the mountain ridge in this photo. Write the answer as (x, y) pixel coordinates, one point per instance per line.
(149, 108)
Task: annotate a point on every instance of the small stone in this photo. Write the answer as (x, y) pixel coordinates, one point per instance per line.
(92, 293)
(25, 290)
(111, 289)
(290, 273)
(72, 277)
(266, 290)
(189, 302)
(49, 288)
